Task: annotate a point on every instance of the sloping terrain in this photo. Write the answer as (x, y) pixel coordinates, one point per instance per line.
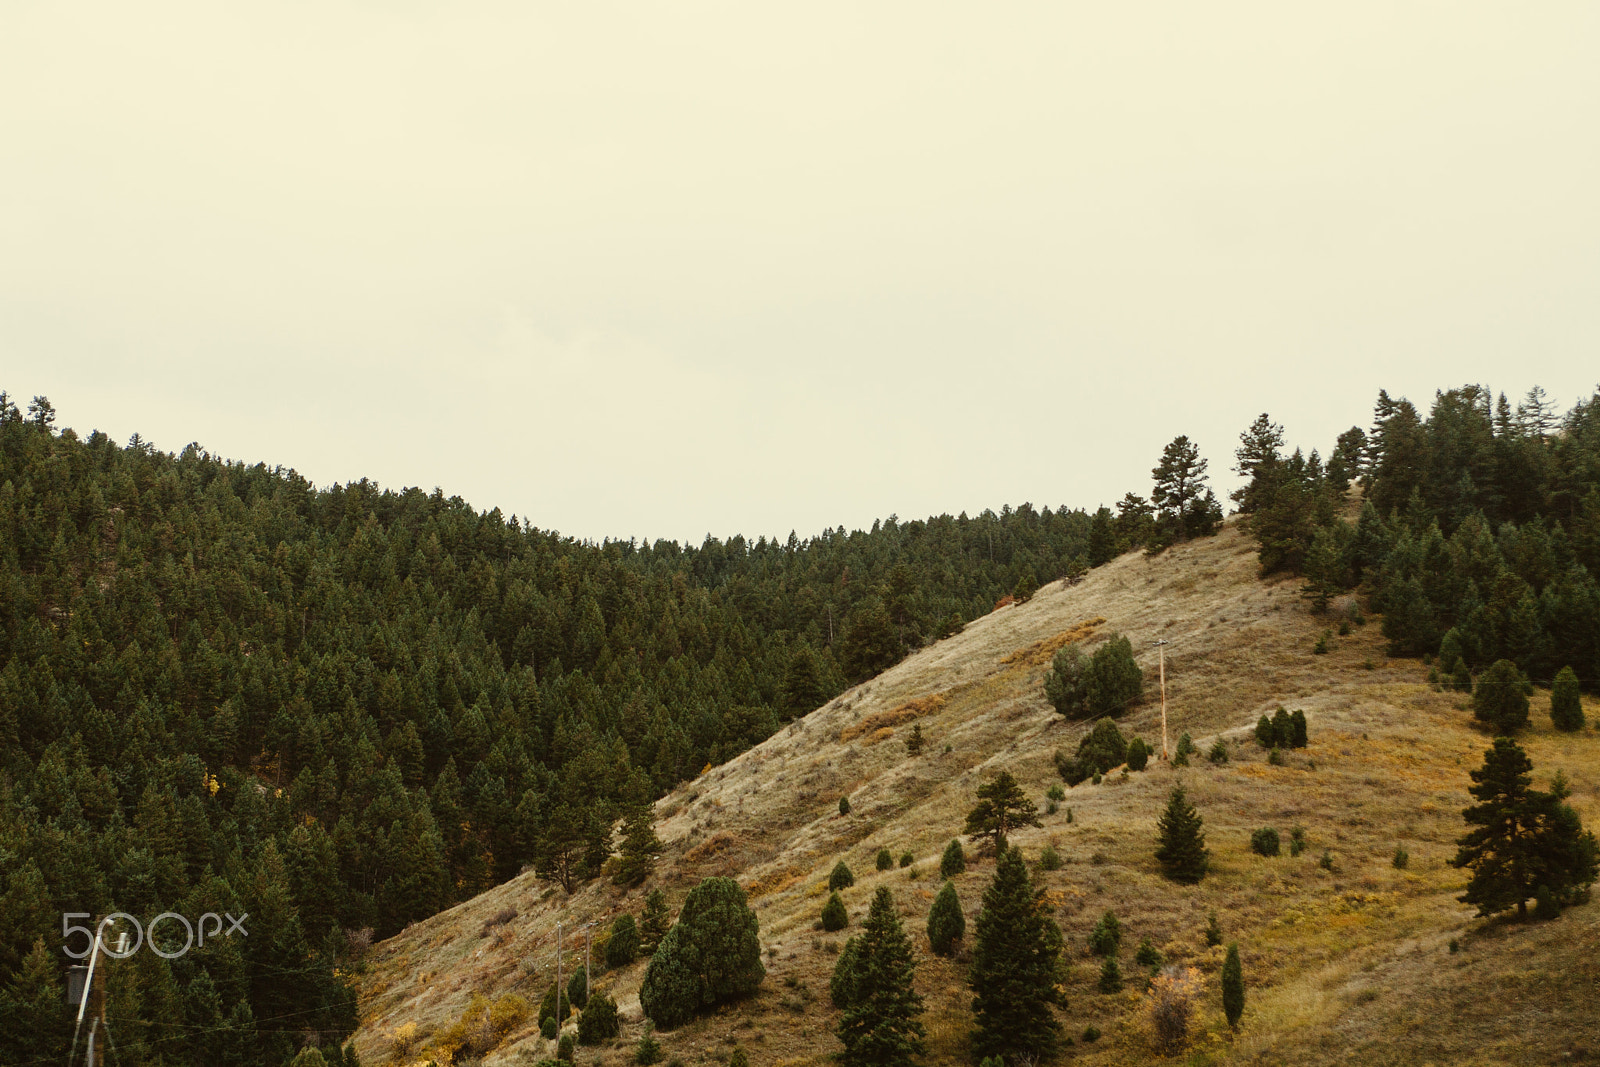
(1347, 958)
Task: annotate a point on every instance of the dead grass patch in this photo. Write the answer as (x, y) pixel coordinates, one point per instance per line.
(877, 721)
(1041, 652)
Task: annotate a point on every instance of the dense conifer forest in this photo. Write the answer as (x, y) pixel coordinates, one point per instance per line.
(223, 689)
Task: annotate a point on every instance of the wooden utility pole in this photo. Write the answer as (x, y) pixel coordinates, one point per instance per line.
(1162, 647)
(586, 928)
(560, 989)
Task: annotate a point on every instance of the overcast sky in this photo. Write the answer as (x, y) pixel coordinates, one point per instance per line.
(665, 269)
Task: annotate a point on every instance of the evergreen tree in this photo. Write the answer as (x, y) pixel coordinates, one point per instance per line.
(1115, 682)
(1258, 448)
(1500, 699)
(1138, 754)
(622, 947)
(804, 688)
(653, 923)
(34, 1025)
(842, 984)
(1106, 937)
(1110, 976)
(1015, 968)
(711, 955)
(1566, 709)
(578, 989)
(1522, 838)
(953, 861)
(1066, 685)
(946, 923)
(834, 915)
(885, 859)
(1185, 508)
(1102, 537)
(640, 845)
(869, 645)
(840, 877)
(1002, 807)
(1181, 848)
(599, 1021)
(881, 1024)
(1232, 986)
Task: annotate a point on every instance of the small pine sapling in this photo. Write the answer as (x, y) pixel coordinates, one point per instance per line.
(834, 915)
(841, 878)
(885, 859)
(1106, 937)
(1402, 858)
(907, 859)
(1232, 987)
(844, 805)
(954, 860)
(1264, 842)
(1110, 976)
(1297, 840)
(1213, 931)
(1566, 708)
(1219, 751)
(1148, 955)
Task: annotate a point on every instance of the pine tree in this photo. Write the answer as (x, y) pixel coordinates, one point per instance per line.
(954, 860)
(1566, 709)
(834, 915)
(1180, 493)
(653, 923)
(869, 644)
(1500, 698)
(1258, 448)
(946, 923)
(599, 1021)
(1110, 976)
(712, 954)
(1523, 838)
(1181, 847)
(1232, 986)
(1002, 807)
(640, 845)
(841, 877)
(33, 1023)
(881, 1025)
(622, 947)
(1015, 973)
(1102, 537)
(1066, 685)
(842, 985)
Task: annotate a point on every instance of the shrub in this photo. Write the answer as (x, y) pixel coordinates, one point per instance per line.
(1566, 709)
(1266, 736)
(622, 947)
(1219, 751)
(946, 923)
(1326, 862)
(1275, 757)
(1264, 842)
(1297, 840)
(1283, 729)
(844, 805)
(548, 1008)
(1402, 858)
(1455, 946)
(653, 922)
(1232, 986)
(1110, 976)
(547, 1027)
(1461, 678)
(914, 742)
(841, 878)
(1106, 937)
(1051, 807)
(834, 915)
(885, 860)
(1298, 735)
(1169, 1004)
(711, 955)
(1186, 747)
(599, 1020)
(1213, 931)
(1321, 647)
(1091, 1034)
(954, 860)
(739, 1058)
(1049, 859)
(578, 989)
(1501, 698)
(1138, 754)
(1106, 683)
(907, 859)
(1069, 815)
(564, 1048)
(1181, 842)
(1148, 955)
(648, 1051)
(1055, 792)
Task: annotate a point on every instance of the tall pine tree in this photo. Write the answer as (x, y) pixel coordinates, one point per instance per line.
(881, 1024)
(1015, 973)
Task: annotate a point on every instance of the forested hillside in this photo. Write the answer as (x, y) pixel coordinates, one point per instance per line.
(344, 708)
(1478, 538)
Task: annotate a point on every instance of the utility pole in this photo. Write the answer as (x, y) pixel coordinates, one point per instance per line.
(561, 990)
(586, 928)
(1162, 646)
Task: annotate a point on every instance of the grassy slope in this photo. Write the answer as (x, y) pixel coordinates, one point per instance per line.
(1351, 962)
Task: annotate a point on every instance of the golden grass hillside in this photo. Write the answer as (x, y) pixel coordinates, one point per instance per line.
(1347, 960)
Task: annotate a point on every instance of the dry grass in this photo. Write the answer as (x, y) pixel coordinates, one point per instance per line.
(1342, 965)
(1042, 652)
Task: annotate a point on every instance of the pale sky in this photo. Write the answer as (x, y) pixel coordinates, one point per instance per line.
(664, 269)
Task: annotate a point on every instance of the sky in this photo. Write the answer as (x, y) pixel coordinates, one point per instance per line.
(663, 270)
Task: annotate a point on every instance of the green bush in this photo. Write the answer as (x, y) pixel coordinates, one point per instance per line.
(1110, 976)
(1091, 1034)
(1566, 708)
(1275, 757)
(648, 1051)
(844, 805)
(1148, 955)
(841, 878)
(1049, 859)
(834, 915)
(739, 1058)
(946, 923)
(907, 859)
(711, 955)
(954, 860)
(1500, 699)
(1106, 937)
(547, 1027)
(622, 947)
(1298, 734)
(1138, 754)
(1402, 858)
(1264, 842)
(1186, 746)
(565, 1048)
(1106, 683)
(1297, 840)
(578, 989)
(885, 860)
(1219, 751)
(1232, 986)
(1213, 930)
(548, 1006)
(1100, 750)
(599, 1021)
(1055, 792)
